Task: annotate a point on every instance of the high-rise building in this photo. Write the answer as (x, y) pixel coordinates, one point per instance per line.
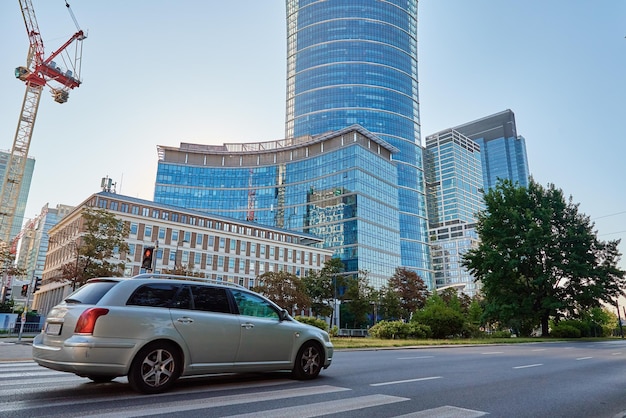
(22, 198)
(503, 151)
(341, 187)
(454, 182)
(355, 62)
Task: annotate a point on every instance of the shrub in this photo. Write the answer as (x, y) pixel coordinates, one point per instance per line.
(309, 320)
(397, 330)
(499, 334)
(563, 330)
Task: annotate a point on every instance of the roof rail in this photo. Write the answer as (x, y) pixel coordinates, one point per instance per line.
(187, 278)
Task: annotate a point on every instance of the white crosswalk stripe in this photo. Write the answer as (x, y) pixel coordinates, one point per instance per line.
(18, 377)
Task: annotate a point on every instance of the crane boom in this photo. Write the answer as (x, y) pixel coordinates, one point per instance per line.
(38, 72)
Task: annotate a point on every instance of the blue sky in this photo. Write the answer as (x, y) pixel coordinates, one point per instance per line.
(159, 72)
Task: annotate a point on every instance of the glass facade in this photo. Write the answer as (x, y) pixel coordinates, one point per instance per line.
(503, 151)
(341, 187)
(22, 198)
(454, 182)
(355, 62)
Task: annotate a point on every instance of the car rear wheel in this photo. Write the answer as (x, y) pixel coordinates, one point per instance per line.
(155, 368)
(308, 362)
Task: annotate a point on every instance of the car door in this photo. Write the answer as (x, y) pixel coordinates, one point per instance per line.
(266, 341)
(202, 315)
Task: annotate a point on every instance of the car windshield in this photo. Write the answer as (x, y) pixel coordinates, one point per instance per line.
(91, 292)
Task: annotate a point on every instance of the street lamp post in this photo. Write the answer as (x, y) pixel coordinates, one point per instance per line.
(176, 263)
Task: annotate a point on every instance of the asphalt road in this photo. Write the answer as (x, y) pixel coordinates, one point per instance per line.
(560, 379)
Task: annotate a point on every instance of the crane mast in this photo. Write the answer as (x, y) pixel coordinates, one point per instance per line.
(38, 72)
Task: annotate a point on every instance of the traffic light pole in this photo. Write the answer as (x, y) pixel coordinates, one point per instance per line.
(23, 321)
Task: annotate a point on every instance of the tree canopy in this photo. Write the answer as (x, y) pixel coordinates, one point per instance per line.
(104, 237)
(540, 258)
(285, 289)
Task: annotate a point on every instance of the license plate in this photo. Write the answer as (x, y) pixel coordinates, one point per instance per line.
(53, 329)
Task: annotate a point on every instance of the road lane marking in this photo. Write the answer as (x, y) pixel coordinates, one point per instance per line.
(528, 365)
(492, 352)
(539, 349)
(583, 358)
(397, 382)
(411, 358)
(325, 408)
(445, 412)
(226, 400)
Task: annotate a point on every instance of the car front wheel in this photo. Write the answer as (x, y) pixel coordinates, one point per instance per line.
(308, 362)
(155, 368)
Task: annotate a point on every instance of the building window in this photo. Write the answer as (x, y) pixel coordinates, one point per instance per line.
(145, 212)
(175, 236)
(133, 228)
(147, 231)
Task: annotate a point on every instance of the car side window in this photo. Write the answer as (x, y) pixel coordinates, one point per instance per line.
(212, 299)
(252, 305)
(154, 294)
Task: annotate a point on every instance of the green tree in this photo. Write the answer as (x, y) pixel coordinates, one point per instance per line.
(410, 289)
(444, 321)
(389, 304)
(539, 258)
(97, 249)
(8, 269)
(286, 289)
(323, 287)
(358, 300)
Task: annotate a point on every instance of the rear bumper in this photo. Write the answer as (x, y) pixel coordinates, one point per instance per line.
(85, 356)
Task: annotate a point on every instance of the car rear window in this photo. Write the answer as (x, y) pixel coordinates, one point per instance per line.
(212, 299)
(91, 293)
(154, 294)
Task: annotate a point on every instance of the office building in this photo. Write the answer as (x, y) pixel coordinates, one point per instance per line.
(454, 182)
(503, 150)
(22, 198)
(207, 246)
(341, 187)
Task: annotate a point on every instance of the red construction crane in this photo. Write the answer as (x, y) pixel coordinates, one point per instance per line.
(38, 72)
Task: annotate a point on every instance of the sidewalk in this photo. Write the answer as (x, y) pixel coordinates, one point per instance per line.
(13, 350)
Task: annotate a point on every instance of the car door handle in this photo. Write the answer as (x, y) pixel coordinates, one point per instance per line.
(247, 325)
(185, 320)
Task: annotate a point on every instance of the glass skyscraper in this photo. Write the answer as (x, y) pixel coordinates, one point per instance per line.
(355, 62)
(454, 182)
(503, 151)
(22, 198)
(341, 187)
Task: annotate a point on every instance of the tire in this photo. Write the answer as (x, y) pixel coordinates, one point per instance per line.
(309, 361)
(101, 379)
(155, 368)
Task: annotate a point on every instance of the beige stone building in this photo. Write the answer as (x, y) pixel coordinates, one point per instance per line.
(211, 246)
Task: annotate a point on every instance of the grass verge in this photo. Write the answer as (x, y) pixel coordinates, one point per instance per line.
(353, 342)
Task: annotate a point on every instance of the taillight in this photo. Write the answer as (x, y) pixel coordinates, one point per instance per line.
(87, 320)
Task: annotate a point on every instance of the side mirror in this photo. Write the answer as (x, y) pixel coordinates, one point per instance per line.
(283, 314)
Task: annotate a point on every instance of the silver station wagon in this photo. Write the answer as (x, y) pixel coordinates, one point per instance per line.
(156, 328)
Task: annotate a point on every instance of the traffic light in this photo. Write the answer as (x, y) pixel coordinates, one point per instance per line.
(147, 258)
(37, 284)
(7, 293)
(24, 290)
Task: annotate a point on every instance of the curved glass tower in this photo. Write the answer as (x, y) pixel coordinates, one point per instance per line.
(355, 62)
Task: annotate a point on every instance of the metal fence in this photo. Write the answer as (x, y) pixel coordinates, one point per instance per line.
(30, 328)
